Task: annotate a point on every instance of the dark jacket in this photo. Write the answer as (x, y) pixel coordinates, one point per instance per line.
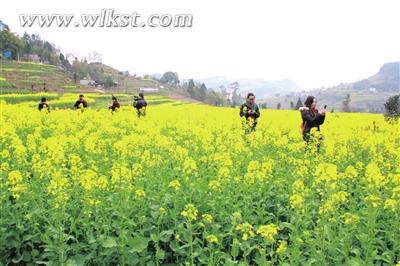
(43, 105)
(139, 104)
(83, 102)
(115, 105)
(245, 108)
(311, 120)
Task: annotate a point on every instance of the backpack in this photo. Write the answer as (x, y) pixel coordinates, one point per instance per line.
(302, 126)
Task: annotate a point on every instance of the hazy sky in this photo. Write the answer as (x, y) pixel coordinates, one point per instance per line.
(315, 43)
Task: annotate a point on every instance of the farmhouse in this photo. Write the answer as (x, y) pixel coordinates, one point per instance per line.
(148, 89)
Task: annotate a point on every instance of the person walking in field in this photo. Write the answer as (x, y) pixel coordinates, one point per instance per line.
(311, 118)
(140, 105)
(81, 102)
(250, 111)
(115, 104)
(44, 105)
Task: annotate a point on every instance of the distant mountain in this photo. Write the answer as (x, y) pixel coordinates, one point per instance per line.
(386, 80)
(366, 95)
(262, 88)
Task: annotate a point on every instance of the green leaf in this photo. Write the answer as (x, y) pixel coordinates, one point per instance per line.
(138, 244)
(154, 237)
(160, 254)
(165, 236)
(109, 242)
(133, 260)
(235, 248)
(77, 260)
(287, 225)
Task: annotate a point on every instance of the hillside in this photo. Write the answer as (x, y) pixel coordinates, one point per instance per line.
(386, 80)
(28, 76)
(21, 76)
(366, 95)
(124, 81)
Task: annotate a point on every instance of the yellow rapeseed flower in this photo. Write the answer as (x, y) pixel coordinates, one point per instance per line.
(212, 239)
(208, 218)
(282, 247)
(190, 212)
(268, 231)
(174, 184)
(246, 229)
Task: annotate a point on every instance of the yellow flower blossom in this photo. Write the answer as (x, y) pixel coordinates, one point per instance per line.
(214, 185)
(246, 229)
(334, 202)
(373, 201)
(162, 211)
(208, 218)
(190, 212)
(212, 239)
(5, 154)
(174, 184)
(236, 217)
(374, 177)
(139, 193)
(391, 204)
(351, 172)
(268, 231)
(350, 218)
(296, 201)
(282, 247)
(223, 172)
(189, 167)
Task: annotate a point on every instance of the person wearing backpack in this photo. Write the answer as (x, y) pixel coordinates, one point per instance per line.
(44, 105)
(140, 105)
(115, 104)
(311, 118)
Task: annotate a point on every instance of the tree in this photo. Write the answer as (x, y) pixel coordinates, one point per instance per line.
(191, 88)
(214, 98)
(6, 27)
(346, 103)
(10, 41)
(95, 74)
(109, 82)
(392, 109)
(81, 68)
(298, 104)
(26, 39)
(170, 77)
(202, 92)
(64, 62)
(236, 99)
(95, 57)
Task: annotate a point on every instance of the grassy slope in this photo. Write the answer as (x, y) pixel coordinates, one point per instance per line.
(20, 76)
